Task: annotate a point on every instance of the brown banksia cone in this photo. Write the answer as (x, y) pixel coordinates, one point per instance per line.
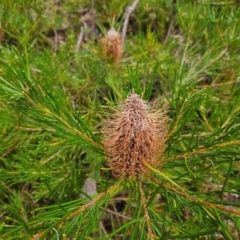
(133, 135)
(112, 46)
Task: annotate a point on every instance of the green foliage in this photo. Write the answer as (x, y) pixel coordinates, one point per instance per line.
(181, 57)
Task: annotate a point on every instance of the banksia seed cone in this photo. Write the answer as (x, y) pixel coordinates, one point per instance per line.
(135, 134)
(112, 46)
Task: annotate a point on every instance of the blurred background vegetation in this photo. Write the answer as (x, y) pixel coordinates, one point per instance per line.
(180, 56)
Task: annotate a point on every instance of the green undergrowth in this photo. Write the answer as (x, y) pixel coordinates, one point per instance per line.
(181, 57)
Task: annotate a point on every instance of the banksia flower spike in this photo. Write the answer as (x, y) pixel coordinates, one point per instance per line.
(134, 134)
(112, 46)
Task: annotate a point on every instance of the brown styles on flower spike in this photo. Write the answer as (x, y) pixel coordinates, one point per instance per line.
(112, 46)
(134, 134)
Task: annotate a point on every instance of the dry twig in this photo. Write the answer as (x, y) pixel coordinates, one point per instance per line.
(129, 11)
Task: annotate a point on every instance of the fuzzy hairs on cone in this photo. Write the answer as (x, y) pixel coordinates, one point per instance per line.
(134, 134)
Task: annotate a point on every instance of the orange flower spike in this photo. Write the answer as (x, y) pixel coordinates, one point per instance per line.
(135, 134)
(112, 46)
